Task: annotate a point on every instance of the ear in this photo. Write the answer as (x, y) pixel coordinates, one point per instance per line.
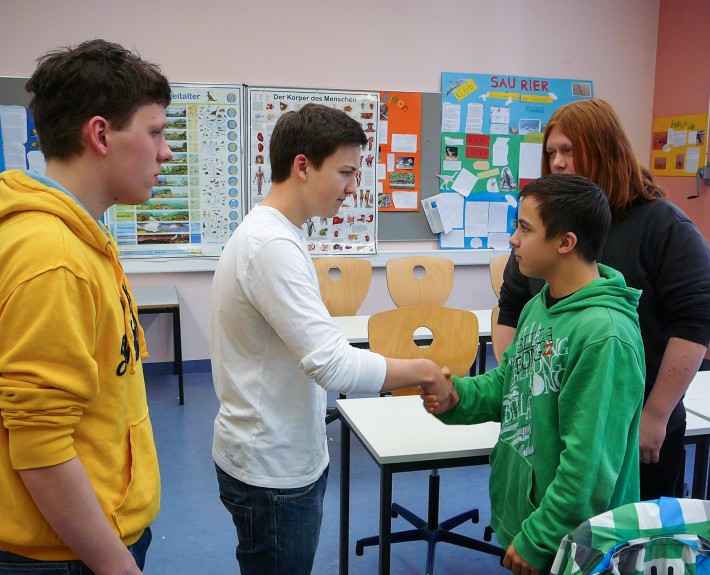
(300, 166)
(568, 241)
(96, 130)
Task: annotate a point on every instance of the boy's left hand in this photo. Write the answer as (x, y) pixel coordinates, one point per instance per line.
(517, 564)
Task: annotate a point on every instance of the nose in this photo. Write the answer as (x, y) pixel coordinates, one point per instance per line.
(166, 153)
(557, 163)
(513, 241)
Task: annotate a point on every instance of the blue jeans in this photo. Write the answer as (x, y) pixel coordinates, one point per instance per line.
(278, 529)
(11, 564)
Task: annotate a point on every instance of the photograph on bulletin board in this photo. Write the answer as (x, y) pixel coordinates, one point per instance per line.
(679, 145)
(197, 203)
(399, 152)
(353, 230)
(492, 128)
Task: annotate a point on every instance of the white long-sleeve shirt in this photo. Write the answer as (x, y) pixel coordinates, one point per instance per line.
(275, 352)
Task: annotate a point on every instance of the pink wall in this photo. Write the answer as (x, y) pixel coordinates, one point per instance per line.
(683, 87)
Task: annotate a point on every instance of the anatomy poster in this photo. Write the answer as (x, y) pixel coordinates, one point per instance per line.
(353, 229)
(492, 128)
(197, 203)
(679, 145)
(399, 153)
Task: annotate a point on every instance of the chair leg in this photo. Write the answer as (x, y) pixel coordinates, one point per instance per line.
(457, 520)
(408, 516)
(432, 531)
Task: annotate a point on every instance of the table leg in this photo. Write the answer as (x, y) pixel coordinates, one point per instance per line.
(385, 519)
(344, 496)
(700, 468)
(177, 351)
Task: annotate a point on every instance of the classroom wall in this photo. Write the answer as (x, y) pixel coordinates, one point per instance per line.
(370, 44)
(683, 87)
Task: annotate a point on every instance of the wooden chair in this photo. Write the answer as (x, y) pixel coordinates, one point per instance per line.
(455, 345)
(494, 327)
(420, 280)
(496, 268)
(344, 283)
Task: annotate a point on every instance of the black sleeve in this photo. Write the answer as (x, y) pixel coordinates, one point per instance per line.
(514, 293)
(683, 282)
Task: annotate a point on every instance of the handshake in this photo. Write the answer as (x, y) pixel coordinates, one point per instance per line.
(440, 395)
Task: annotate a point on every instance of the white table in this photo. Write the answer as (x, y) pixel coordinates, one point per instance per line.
(164, 299)
(697, 407)
(697, 398)
(400, 436)
(355, 330)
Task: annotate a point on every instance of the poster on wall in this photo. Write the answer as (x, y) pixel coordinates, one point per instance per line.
(353, 230)
(399, 153)
(679, 145)
(492, 128)
(19, 145)
(197, 203)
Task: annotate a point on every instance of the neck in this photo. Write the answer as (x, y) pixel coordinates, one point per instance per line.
(572, 276)
(72, 175)
(285, 198)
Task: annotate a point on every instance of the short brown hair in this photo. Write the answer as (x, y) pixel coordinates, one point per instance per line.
(315, 131)
(96, 78)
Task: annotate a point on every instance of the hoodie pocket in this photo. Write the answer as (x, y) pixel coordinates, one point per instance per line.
(510, 488)
(141, 501)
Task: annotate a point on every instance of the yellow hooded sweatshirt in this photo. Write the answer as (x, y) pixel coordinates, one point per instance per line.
(71, 377)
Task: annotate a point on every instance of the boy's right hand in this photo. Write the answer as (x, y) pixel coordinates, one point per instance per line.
(442, 396)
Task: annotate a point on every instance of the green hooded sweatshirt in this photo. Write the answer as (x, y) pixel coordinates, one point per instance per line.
(568, 394)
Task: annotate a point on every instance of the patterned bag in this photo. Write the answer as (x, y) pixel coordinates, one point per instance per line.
(665, 536)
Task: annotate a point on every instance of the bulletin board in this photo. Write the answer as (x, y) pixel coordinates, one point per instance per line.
(399, 154)
(19, 148)
(492, 128)
(353, 230)
(679, 145)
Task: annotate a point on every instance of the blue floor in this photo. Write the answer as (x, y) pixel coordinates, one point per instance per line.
(194, 533)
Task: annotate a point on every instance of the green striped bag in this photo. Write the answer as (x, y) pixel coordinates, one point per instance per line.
(665, 536)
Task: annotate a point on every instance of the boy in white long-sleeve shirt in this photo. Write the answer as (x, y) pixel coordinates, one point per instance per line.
(276, 350)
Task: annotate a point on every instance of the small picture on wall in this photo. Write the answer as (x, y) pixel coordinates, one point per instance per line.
(404, 163)
(583, 89)
(452, 152)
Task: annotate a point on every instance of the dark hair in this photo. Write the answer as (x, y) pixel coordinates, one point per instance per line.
(569, 203)
(315, 131)
(96, 78)
(602, 152)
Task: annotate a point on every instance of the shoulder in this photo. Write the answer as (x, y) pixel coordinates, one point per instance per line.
(654, 223)
(41, 243)
(657, 212)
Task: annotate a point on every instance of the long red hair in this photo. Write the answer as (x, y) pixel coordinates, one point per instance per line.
(602, 153)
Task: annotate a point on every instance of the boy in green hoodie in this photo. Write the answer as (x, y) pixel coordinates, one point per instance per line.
(569, 389)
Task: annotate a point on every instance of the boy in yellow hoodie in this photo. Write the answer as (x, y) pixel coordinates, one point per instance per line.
(79, 480)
